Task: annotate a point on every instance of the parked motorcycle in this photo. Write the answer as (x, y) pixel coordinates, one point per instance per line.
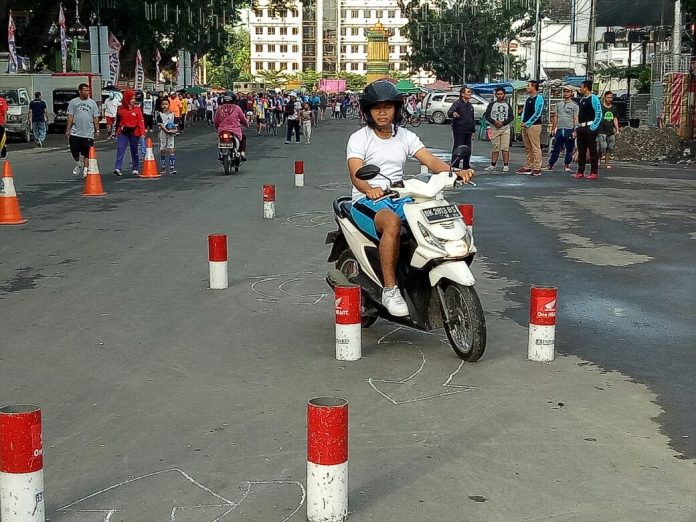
(433, 271)
(228, 152)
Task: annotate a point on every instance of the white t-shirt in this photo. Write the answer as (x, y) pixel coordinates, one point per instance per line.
(210, 104)
(111, 107)
(147, 106)
(389, 155)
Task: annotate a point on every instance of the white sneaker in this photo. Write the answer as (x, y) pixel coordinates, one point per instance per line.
(393, 302)
(84, 172)
(490, 168)
(506, 168)
(77, 170)
(136, 173)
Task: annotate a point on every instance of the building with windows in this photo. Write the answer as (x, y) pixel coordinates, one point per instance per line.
(327, 36)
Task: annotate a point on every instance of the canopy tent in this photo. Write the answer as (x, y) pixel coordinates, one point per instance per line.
(406, 87)
(439, 85)
(195, 90)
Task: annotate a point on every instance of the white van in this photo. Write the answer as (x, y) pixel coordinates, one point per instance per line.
(438, 103)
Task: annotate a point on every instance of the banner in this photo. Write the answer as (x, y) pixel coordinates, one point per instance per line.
(63, 38)
(99, 51)
(194, 67)
(114, 60)
(139, 72)
(158, 59)
(12, 63)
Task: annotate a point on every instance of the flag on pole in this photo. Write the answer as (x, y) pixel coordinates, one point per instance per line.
(194, 75)
(12, 64)
(63, 38)
(114, 60)
(158, 59)
(139, 72)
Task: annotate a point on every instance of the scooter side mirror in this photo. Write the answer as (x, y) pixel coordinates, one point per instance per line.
(460, 153)
(367, 172)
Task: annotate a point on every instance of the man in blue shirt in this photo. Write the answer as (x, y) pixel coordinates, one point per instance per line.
(531, 129)
(38, 116)
(589, 118)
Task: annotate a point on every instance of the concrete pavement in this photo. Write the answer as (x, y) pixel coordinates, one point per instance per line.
(163, 400)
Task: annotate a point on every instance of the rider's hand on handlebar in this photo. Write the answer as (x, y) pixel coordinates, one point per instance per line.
(465, 174)
(374, 193)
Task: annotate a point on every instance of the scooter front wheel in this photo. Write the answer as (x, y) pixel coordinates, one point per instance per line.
(465, 324)
(349, 267)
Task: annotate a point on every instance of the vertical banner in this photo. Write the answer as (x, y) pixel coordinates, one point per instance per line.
(11, 47)
(99, 50)
(158, 59)
(139, 72)
(194, 68)
(183, 70)
(114, 60)
(63, 38)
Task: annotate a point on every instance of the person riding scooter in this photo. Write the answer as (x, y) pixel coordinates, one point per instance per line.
(383, 143)
(230, 118)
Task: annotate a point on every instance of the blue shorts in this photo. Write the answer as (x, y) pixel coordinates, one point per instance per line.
(364, 211)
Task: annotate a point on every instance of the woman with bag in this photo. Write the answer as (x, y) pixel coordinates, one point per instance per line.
(130, 126)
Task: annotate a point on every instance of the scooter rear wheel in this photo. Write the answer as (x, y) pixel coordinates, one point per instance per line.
(227, 164)
(349, 267)
(466, 329)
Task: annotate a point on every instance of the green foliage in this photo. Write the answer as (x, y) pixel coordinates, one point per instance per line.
(448, 38)
(354, 82)
(234, 64)
(200, 27)
(272, 78)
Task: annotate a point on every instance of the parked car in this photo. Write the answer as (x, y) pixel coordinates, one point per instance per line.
(438, 103)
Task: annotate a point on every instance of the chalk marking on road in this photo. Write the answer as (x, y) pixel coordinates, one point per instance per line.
(225, 502)
(316, 218)
(458, 388)
(333, 187)
(292, 278)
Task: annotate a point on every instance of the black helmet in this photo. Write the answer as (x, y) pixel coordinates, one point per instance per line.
(381, 91)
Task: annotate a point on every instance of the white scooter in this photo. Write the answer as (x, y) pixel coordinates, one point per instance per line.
(433, 270)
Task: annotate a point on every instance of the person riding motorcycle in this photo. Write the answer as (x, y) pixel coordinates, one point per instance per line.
(384, 144)
(230, 118)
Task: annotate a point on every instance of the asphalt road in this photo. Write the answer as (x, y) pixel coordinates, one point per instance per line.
(163, 400)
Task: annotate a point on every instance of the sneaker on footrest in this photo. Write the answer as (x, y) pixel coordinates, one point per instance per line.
(393, 302)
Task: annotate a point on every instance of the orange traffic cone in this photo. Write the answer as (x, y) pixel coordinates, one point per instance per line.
(9, 205)
(149, 164)
(93, 184)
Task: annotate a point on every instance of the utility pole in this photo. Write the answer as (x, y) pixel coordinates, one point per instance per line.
(676, 33)
(537, 45)
(589, 73)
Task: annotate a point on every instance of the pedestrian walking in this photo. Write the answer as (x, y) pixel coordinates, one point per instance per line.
(323, 103)
(148, 112)
(110, 109)
(175, 107)
(292, 109)
(82, 127)
(563, 125)
(306, 117)
(608, 129)
(130, 126)
(167, 131)
(38, 118)
(589, 118)
(531, 129)
(463, 124)
(500, 115)
(210, 108)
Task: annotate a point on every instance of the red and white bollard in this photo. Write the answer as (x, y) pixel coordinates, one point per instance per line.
(327, 459)
(348, 323)
(542, 324)
(299, 173)
(217, 261)
(467, 212)
(269, 196)
(21, 465)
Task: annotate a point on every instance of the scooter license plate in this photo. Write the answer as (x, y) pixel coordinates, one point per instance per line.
(437, 214)
(225, 145)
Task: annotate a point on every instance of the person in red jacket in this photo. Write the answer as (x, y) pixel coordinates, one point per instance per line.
(130, 126)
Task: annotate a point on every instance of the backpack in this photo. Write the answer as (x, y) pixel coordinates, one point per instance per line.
(290, 108)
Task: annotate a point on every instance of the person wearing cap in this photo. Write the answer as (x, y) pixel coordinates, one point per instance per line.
(589, 118)
(292, 112)
(563, 124)
(384, 144)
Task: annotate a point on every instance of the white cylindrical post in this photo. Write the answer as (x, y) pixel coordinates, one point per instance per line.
(269, 197)
(327, 459)
(21, 465)
(542, 324)
(467, 212)
(348, 323)
(217, 261)
(299, 173)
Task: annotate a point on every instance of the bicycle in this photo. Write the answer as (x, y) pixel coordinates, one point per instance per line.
(271, 124)
(410, 119)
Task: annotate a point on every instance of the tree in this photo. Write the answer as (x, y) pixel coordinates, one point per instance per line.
(354, 82)
(458, 42)
(233, 65)
(272, 78)
(196, 25)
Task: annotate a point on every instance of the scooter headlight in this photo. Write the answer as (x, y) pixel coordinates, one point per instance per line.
(430, 239)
